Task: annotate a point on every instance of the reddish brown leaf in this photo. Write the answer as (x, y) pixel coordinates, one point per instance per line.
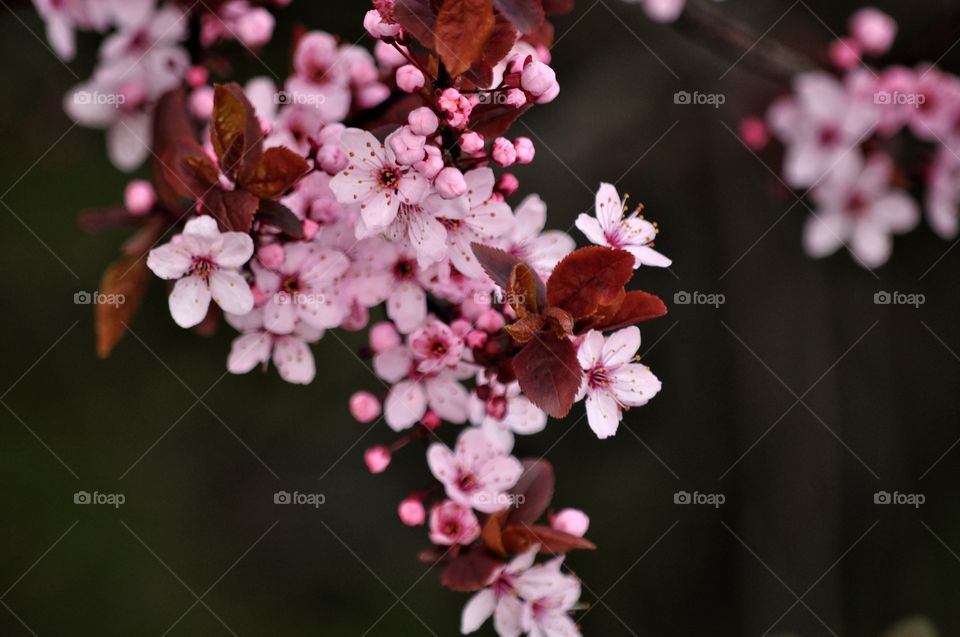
(588, 278)
(233, 209)
(188, 171)
(493, 121)
(536, 486)
(461, 30)
(278, 169)
(470, 571)
(637, 306)
(171, 125)
(549, 373)
(519, 538)
(500, 42)
(525, 329)
(491, 535)
(417, 18)
(560, 321)
(235, 132)
(496, 263)
(526, 15)
(279, 216)
(525, 290)
(121, 291)
(557, 7)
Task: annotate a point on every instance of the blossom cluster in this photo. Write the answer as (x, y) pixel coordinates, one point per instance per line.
(853, 141)
(368, 192)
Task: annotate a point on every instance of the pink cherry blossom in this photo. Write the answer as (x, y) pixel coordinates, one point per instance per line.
(548, 595)
(612, 382)
(382, 271)
(874, 30)
(858, 207)
(527, 240)
(435, 346)
(610, 228)
(500, 598)
(477, 473)
(502, 411)
(452, 523)
(374, 180)
(205, 263)
(256, 345)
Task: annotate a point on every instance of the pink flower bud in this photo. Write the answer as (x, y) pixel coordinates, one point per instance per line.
(450, 183)
(331, 158)
(507, 184)
(845, 53)
(384, 336)
(471, 142)
(372, 94)
(411, 512)
(525, 150)
(197, 76)
(874, 30)
(139, 197)
(537, 78)
(423, 121)
(515, 98)
(461, 327)
(409, 78)
(374, 24)
(754, 133)
(549, 95)
(271, 256)
(430, 420)
(503, 152)
(432, 163)
(475, 339)
(456, 107)
(572, 521)
(259, 298)
(364, 407)
(491, 321)
(406, 145)
(377, 459)
(663, 10)
(255, 28)
(201, 102)
(387, 56)
(310, 229)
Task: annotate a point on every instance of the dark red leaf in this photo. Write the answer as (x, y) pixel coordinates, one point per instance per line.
(536, 486)
(279, 216)
(233, 209)
(171, 125)
(470, 571)
(235, 131)
(557, 7)
(278, 169)
(492, 532)
(461, 30)
(519, 538)
(496, 263)
(549, 373)
(523, 330)
(417, 17)
(637, 306)
(526, 15)
(188, 171)
(121, 291)
(494, 120)
(588, 278)
(500, 42)
(526, 292)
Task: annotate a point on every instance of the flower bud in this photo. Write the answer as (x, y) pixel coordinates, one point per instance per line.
(476, 338)
(271, 256)
(432, 164)
(255, 28)
(525, 150)
(503, 152)
(754, 133)
(430, 420)
(139, 197)
(515, 98)
(423, 121)
(377, 459)
(364, 407)
(537, 78)
(450, 183)
(406, 145)
(507, 184)
(331, 158)
(491, 321)
(572, 521)
(387, 56)
(411, 512)
(384, 336)
(201, 102)
(845, 53)
(471, 142)
(409, 78)
(197, 76)
(874, 30)
(310, 229)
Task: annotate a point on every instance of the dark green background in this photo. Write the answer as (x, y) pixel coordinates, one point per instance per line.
(200, 498)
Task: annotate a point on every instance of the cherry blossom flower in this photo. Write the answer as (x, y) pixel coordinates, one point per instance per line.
(381, 271)
(857, 206)
(63, 17)
(321, 80)
(500, 598)
(413, 392)
(477, 474)
(820, 126)
(610, 228)
(435, 346)
(205, 262)
(374, 180)
(612, 381)
(302, 287)
(256, 346)
(452, 523)
(548, 596)
(527, 241)
(502, 411)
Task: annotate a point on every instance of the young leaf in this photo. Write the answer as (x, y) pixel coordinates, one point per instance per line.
(416, 17)
(235, 132)
(496, 263)
(518, 538)
(279, 216)
(470, 571)
(123, 282)
(171, 125)
(491, 534)
(588, 278)
(549, 373)
(637, 306)
(526, 15)
(526, 328)
(188, 171)
(536, 486)
(461, 30)
(525, 291)
(233, 209)
(278, 169)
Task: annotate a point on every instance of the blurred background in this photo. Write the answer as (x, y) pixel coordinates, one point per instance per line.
(797, 399)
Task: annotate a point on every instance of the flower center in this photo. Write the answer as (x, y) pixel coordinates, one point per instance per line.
(467, 482)
(403, 270)
(829, 136)
(597, 377)
(856, 204)
(388, 178)
(203, 267)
